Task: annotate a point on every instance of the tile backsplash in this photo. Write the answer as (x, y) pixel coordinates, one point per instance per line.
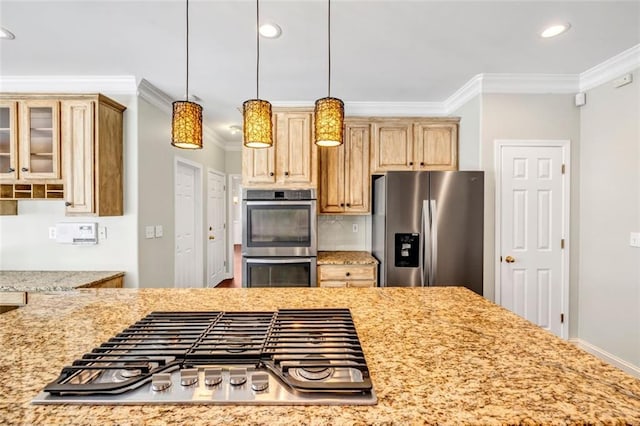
(337, 232)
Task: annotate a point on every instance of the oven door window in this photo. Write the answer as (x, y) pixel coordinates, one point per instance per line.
(279, 226)
(262, 273)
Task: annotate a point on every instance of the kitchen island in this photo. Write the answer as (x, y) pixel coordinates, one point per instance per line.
(436, 355)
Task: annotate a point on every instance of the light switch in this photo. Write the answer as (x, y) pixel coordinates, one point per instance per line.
(52, 232)
(102, 232)
(159, 231)
(149, 232)
(354, 227)
(634, 239)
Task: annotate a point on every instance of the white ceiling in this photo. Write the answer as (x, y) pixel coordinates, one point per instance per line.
(382, 51)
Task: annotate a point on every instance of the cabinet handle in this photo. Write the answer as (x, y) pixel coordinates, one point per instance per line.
(421, 164)
(341, 204)
(348, 274)
(68, 203)
(411, 163)
(286, 173)
(348, 204)
(11, 169)
(270, 173)
(24, 169)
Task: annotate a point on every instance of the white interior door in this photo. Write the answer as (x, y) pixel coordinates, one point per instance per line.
(216, 228)
(533, 212)
(188, 241)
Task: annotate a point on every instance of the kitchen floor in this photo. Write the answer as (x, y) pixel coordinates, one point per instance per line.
(236, 281)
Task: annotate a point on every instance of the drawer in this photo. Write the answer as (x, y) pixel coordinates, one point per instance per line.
(334, 284)
(346, 272)
(361, 284)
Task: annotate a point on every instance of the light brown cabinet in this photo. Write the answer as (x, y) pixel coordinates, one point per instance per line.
(92, 141)
(291, 161)
(63, 146)
(414, 144)
(344, 172)
(347, 275)
(29, 140)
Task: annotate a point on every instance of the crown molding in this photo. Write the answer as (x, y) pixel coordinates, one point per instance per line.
(381, 109)
(529, 83)
(118, 84)
(233, 146)
(155, 96)
(613, 67)
(464, 94)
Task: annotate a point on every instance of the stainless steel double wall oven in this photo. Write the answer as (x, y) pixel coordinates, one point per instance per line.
(279, 238)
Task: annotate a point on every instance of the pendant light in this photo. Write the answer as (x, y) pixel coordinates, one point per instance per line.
(329, 112)
(256, 113)
(186, 123)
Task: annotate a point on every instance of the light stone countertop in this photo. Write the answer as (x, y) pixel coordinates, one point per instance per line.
(346, 258)
(436, 356)
(53, 280)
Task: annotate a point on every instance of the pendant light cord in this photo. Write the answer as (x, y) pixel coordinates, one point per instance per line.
(257, 48)
(187, 83)
(329, 45)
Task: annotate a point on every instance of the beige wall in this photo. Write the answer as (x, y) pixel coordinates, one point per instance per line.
(156, 170)
(609, 270)
(469, 134)
(233, 162)
(529, 117)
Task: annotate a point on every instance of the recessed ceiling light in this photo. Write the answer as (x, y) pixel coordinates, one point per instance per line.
(555, 30)
(235, 129)
(270, 30)
(6, 34)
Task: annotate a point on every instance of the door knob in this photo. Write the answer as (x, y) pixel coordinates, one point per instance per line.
(211, 237)
(509, 259)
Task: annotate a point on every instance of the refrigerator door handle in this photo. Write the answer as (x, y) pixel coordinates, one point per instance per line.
(425, 238)
(433, 241)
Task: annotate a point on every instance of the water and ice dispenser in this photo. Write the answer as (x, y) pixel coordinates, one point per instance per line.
(407, 250)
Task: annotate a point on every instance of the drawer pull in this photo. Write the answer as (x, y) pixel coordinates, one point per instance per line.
(24, 169)
(348, 274)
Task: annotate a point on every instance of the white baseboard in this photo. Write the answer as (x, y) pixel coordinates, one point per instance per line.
(623, 365)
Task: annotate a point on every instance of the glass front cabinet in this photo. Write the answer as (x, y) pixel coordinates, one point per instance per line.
(8, 141)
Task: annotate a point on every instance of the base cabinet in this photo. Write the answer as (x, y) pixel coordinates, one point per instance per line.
(347, 275)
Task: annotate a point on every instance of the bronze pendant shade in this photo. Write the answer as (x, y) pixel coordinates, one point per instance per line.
(257, 128)
(329, 112)
(186, 125)
(186, 121)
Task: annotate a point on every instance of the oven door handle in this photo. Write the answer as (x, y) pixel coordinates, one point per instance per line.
(280, 260)
(280, 203)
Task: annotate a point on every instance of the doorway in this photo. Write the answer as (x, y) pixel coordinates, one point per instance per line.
(188, 223)
(216, 228)
(234, 247)
(532, 231)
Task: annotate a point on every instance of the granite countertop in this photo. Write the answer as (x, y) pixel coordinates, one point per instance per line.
(346, 258)
(52, 280)
(436, 355)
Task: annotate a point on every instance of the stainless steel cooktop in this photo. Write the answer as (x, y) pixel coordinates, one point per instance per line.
(308, 356)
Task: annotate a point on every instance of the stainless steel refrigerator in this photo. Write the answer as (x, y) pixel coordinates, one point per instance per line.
(428, 228)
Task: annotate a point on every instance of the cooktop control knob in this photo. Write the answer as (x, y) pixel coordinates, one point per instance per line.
(160, 381)
(188, 376)
(237, 376)
(212, 376)
(259, 381)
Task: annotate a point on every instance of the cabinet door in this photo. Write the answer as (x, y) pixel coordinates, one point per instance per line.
(78, 119)
(258, 166)
(296, 153)
(436, 146)
(392, 146)
(39, 140)
(357, 179)
(8, 141)
(332, 172)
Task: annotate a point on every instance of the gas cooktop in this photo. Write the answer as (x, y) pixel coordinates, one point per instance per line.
(301, 356)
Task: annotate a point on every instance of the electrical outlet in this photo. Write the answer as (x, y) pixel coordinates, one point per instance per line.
(159, 231)
(52, 233)
(634, 239)
(354, 227)
(149, 232)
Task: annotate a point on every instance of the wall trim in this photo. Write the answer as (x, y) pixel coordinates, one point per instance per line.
(613, 67)
(112, 84)
(623, 365)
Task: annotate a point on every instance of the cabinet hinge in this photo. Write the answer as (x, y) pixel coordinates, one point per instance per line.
(562, 243)
(563, 168)
(562, 318)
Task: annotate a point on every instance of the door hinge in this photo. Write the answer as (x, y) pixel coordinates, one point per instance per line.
(500, 258)
(224, 226)
(562, 243)
(224, 263)
(562, 318)
(563, 168)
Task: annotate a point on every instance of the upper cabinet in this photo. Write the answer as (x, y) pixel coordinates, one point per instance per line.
(63, 146)
(344, 172)
(291, 161)
(92, 141)
(414, 144)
